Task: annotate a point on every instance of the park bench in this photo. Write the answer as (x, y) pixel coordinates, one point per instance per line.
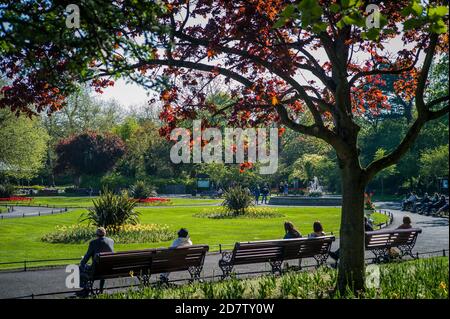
(144, 263)
(275, 252)
(380, 242)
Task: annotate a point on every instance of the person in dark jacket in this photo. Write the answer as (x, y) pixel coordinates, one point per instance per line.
(264, 193)
(101, 244)
(291, 232)
(256, 193)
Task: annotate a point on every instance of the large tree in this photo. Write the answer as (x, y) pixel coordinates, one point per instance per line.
(312, 65)
(23, 146)
(88, 153)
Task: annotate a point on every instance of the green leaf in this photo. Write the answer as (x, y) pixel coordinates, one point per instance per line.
(412, 24)
(335, 8)
(438, 12)
(372, 34)
(438, 27)
(416, 8)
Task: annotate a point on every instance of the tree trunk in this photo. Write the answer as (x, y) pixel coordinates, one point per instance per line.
(351, 273)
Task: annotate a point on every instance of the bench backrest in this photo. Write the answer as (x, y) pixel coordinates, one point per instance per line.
(121, 264)
(148, 261)
(283, 249)
(178, 259)
(391, 238)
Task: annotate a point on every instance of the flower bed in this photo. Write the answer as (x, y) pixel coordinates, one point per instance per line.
(154, 201)
(15, 199)
(250, 212)
(126, 234)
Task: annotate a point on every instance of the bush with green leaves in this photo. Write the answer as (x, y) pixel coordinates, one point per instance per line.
(6, 190)
(250, 212)
(112, 211)
(237, 199)
(141, 190)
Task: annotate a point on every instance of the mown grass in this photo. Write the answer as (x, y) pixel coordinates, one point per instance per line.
(421, 279)
(85, 201)
(20, 238)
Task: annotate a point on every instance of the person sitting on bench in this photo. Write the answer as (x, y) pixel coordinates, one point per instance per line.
(318, 230)
(102, 244)
(367, 227)
(183, 240)
(291, 232)
(406, 223)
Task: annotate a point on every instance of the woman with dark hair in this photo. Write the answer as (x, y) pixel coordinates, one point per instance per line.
(406, 223)
(318, 230)
(291, 232)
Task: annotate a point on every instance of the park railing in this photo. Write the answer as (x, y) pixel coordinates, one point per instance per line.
(213, 277)
(388, 222)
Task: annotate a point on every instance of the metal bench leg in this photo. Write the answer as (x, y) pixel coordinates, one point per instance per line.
(407, 250)
(226, 270)
(320, 260)
(195, 272)
(276, 266)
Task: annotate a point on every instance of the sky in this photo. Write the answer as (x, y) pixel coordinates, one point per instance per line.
(126, 94)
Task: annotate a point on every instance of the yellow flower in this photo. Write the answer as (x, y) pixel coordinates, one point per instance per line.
(442, 285)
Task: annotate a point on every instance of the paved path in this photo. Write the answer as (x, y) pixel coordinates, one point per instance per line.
(435, 237)
(30, 211)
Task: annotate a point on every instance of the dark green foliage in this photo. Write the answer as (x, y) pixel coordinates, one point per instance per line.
(112, 211)
(6, 190)
(142, 190)
(237, 199)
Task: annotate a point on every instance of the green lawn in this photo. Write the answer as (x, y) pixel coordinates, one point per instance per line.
(20, 238)
(82, 202)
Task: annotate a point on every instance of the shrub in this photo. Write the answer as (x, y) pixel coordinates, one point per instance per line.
(237, 199)
(111, 211)
(251, 212)
(125, 234)
(6, 190)
(141, 190)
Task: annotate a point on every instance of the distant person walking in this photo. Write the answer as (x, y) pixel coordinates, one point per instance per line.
(256, 193)
(286, 188)
(264, 192)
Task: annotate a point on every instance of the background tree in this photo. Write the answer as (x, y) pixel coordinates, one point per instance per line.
(23, 146)
(434, 164)
(262, 48)
(88, 153)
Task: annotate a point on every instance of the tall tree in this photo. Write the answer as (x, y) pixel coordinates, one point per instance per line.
(263, 49)
(23, 146)
(88, 153)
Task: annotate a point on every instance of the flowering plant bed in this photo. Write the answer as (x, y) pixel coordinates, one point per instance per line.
(125, 234)
(15, 199)
(154, 201)
(250, 212)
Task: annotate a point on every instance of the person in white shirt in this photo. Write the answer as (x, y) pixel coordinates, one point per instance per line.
(183, 240)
